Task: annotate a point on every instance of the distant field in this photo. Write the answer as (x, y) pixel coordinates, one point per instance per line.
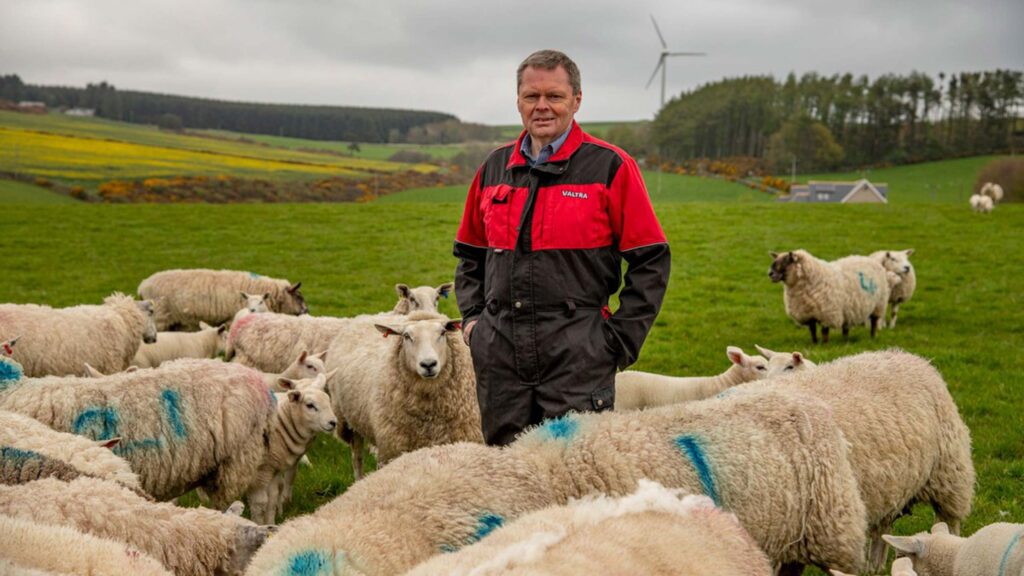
(12, 192)
(674, 188)
(942, 181)
(366, 151)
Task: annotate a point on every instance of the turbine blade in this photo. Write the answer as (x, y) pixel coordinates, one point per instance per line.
(687, 54)
(661, 62)
(658, 30)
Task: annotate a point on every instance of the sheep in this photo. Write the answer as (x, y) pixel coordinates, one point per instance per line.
(898, 262)
(208, 342)
(777, 461)
(251, 304)
(62, 550)
(994, 549)
(837, 294)
(907, 441)
(643, 533)
(420, 298)
(305, 366)
(187, 541)
(301, 413)
(399, 394)
(980, 203)
(637, 390)
(58, 340)
(784, 362)
(184, 297)
(900, 567)
(189, 423)
(88, 457)
(993, 191)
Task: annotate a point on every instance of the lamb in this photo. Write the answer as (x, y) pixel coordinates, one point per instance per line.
(187, 424)
(35, 548)
(908, 442)
(898, 262)
(252, 304)
(980, 203)
(185, 297)
(993, 191)
(417, 389)
(900, 567)
(58, 340)
(305, 366)
(782, 362)
(638, 390)
(420, 298)
(995, 549)
(207, 343)
(743, 452)
(86, 456)
(840, 294)
(643, 533)
(301, 413)
(187, 541)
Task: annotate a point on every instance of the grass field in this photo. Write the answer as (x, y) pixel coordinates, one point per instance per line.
(966, 316)
(367, 151)
(13, 192)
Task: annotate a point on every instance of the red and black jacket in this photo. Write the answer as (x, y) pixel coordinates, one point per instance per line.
(552, 236)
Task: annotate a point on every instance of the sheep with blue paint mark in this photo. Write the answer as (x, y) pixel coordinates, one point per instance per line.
(187, 541)
(898, 263)
(187, 424)
(647, 532)
(908, 443)
(183, 298)
(33, 547)
(57, 341)
(994, 550)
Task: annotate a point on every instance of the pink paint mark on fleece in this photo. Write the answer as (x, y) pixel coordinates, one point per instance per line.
(238, 326)
(254, 379)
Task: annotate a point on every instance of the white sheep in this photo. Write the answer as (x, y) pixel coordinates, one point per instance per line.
(777, 461)
(420, 298)
(780, 363)
(642, 533)
(251, 304)
(907, 441)
(62, 550)
(980, 203)
(900, 567)
(840, 294)
(183, 298)
(57, 341)
(302, 413)
(414, 389)
(637, 390)
(993, 191)
(187, 424)
(898, 262)
(305, 366)
(208, 342)
(187, 541)
(996, 549)
(87, 456)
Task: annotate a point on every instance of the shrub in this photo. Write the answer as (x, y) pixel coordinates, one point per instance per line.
(1008, 173)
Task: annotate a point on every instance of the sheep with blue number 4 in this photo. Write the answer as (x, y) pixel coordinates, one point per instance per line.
(187, 424)
(776, 461)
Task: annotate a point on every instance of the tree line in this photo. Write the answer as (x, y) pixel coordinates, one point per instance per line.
(827, 122)
(339, 123)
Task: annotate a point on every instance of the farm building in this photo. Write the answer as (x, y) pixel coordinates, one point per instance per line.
(87, 112)
(858, 192)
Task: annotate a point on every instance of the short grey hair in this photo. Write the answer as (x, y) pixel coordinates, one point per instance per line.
(550, 60)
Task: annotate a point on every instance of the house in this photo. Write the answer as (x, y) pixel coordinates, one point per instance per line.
(858, 192)
(30, 106)
(80, 111)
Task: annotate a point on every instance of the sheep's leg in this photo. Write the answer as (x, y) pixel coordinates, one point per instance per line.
(813, 325)
(874, 325)
(846, 332)
(892, 321)
(824, 334)
(878, 552)
(357, 456)
(791, 569)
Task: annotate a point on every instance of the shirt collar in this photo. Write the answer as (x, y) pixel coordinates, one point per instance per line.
(546, 152)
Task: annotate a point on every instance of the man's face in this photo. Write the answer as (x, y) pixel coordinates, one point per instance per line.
(546, 103)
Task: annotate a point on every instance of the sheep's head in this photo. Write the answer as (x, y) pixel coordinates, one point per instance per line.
(783, 362)
(293, 302)
(306, 366)
(248, 539)
(309, 403)
(149, 333)
(222, 336)
(784, 265)
(424, 343)
(919, 548)
(898, 261)
(751, 367)
(255, 303)
(421, 298)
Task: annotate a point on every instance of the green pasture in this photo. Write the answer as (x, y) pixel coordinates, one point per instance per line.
(966, 316)
(366, 151)
(14, 192)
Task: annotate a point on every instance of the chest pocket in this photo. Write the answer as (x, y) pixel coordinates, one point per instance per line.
(499, 221)
(574, 217)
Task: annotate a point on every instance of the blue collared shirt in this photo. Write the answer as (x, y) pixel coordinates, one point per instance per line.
(546, 152)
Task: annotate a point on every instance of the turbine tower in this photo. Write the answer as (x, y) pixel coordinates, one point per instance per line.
(661, 60)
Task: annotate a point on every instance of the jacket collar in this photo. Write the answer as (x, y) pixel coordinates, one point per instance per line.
(572, 143)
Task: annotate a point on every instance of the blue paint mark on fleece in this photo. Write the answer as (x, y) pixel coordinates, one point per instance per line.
(692, 449)
(172, 405)
(254, 276)
(866, 284)
(98, 423)
(125, 448)
(1006, 555)
(485, 524)
(309, 563)
(17, 456)
(561, 428)
(10, 373)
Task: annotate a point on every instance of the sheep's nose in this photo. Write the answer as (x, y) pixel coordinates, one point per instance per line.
(332, 424)
(428, 365)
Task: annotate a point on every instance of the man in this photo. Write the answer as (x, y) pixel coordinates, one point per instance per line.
(545, 227)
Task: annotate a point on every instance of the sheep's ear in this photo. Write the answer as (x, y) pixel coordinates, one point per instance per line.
(453, 325)
(244, 296)
(765, 352)
(222, 328)
(295, 396)
(322, 356)
(91, 372)
(444, 289)
(266, 295)
(940, 528)
(328, 376)
(320, 382)
(294, 288)
(109, 444)
(236, 508)
(402, 290)
(798, 358)
(907, 544)
(792, 256)
(736, 355)
(387, 330)
(131, 369)
(204, 325)
(774, 255)
(302, 357)
(908, 251)
(286, 383)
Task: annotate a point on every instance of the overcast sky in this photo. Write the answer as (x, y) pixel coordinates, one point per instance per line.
(460, 56)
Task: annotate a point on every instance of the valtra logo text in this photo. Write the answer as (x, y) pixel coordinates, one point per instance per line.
(571, 194)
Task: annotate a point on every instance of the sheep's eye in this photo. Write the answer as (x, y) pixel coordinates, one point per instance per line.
(760, 368)
(407, 336)
(788, 368)
(312, 407)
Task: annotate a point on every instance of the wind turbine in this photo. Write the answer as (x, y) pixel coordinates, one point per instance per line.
(661, 60)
